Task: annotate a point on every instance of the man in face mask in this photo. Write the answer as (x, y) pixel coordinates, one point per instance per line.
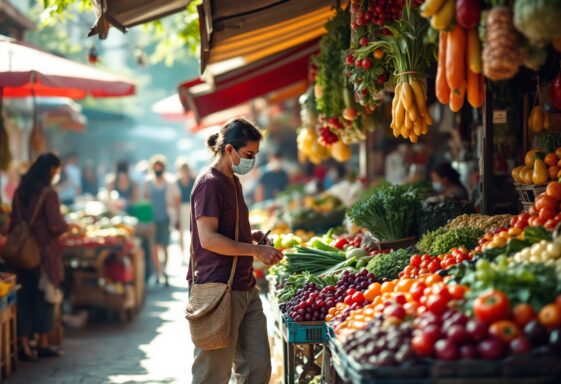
(165, 197)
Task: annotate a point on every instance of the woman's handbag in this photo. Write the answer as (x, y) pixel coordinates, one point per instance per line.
(209, 310)
(21, 250)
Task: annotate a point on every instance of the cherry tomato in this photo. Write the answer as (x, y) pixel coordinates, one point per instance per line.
(423, 345)
(417, 290)
(505, 330)
(357, 297)
(437, 304)
(434, 266)
(547, 213)
(425, 264)
(426, 257)
(457, 291)
(522, 314)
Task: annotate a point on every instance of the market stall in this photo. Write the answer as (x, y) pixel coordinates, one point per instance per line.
(104, 261)
(427, 290)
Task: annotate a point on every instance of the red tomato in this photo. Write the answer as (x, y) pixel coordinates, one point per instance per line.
(546, 201)
(434, 266)
(423, 345)
(416, 261)
(547, 213)
(491, 306)
(425, 264)
(524, 216)
(513, 221)
(550, 316)
(536, 222)
(426, 257)
(437, 304)
(357, 297)
(417, 290)
(457, 291)
(551, 224)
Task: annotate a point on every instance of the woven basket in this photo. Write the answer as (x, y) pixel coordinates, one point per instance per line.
(527, 194)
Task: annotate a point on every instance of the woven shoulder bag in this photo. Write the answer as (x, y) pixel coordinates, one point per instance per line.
(209, 309)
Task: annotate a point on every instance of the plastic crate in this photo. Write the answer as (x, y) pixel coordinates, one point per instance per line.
(527, 194)
(338, 354)
(307, 332)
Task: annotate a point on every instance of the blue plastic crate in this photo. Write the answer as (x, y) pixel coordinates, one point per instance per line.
(306, 332)
(338, 354)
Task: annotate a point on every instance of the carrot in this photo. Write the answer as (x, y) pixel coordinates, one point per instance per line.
(482, 89)
(456, 58)
(473, 93)
(457, 97)
(442, 89)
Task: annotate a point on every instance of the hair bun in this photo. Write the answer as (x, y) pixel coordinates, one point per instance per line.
(212, 141)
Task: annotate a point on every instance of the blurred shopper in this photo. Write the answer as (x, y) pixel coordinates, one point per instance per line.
(39, 287)
(162, 191)
(397, 165)
(273, 180)
(122, 183)
(89, 179)
(216, 198)
(70, 185)
(446, 181)
(185, 182)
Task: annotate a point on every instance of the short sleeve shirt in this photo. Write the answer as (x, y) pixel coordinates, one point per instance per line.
(214, 196)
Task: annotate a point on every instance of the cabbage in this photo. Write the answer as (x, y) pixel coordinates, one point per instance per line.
(538, 20)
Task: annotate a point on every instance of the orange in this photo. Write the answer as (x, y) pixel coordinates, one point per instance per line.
(432, 279)
(553, 171)
(404, 285)
(329, 317)
(388, 287)
(372, 292)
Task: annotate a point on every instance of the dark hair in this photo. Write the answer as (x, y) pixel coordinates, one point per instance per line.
(38, 176)
(237, 132)
(446, 171)
(122, 167)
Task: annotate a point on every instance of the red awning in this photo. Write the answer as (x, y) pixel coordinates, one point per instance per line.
(255, 80)
(27, 71)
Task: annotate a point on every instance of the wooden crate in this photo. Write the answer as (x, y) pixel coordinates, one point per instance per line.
(8, 336)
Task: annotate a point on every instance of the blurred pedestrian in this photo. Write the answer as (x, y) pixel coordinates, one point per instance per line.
(162, 191)
(122, 183)
(446, 181)
(70, 185)
(273, 180)
(89, 179)
(185, 182)
(39, 286)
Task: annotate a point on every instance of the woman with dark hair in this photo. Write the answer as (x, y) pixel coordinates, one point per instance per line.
(122, 183)
(39, 286)
(217, 208)
(446, 181)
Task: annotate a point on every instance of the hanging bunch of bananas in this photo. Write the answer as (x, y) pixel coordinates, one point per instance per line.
(410, 117)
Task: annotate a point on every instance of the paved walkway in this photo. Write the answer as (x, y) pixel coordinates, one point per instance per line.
(154, 348)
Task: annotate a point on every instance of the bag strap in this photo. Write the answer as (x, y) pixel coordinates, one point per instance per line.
(38, 206)
(236, 238)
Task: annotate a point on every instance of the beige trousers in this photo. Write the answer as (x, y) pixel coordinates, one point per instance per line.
(248, 351)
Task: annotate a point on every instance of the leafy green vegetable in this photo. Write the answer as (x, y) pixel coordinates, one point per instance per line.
(330, 65)
(548, 141)
(538, 20)
(389, 265)
(389, 213)
(444, 240)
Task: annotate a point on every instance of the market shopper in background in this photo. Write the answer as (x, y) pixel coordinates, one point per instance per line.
(89, 179)
(39, 286)
(122, 183)
(446, 181)
(216, 198)
(162, 192)
(185, 182)
(273, 180)
(70, 185)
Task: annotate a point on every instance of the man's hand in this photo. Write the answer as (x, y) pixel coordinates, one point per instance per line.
(257, 238)
(268, 255)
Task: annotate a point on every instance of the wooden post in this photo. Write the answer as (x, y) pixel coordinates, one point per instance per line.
(486, 163)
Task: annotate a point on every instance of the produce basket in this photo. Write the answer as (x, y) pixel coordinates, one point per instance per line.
(527, 193)
(306, 332)
(338, 355)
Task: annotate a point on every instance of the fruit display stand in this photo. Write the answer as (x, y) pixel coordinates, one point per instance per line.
(89, 285)
(8, 331)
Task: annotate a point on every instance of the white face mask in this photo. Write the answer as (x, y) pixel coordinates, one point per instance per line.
(437, 186)
(245, 165)
(56, 179)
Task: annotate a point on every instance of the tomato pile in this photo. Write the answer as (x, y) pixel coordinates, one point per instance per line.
(423, 264)
(546, 211)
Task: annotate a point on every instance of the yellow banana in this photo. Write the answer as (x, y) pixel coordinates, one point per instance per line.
(420, 99)
(406, 96)
(408, 123)
(441, 20)
(414, 138)
(431, 7)
(428, 119)
(412, 112)
(399, 114)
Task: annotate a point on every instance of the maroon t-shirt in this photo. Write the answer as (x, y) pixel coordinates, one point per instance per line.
(214, 196)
